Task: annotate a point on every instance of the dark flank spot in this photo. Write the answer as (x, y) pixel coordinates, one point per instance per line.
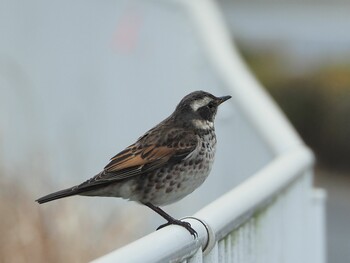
(168, 177)
(159, 186)
(203, 144)
(182, 169)
(172, 183)
(198, 161)
(138, 188)
(200, 166)
(178, 185)
(190, 162)
(160, 175)
(147, 190)
(157, 180)
(169, 189)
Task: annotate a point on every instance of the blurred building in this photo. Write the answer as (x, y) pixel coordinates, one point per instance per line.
(307, 32)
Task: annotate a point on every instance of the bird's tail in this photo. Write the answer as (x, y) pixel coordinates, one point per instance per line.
(59, 194)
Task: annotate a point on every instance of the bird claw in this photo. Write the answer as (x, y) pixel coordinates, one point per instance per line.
(183, 224)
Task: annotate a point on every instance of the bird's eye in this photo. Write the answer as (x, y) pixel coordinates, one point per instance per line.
(211, 105)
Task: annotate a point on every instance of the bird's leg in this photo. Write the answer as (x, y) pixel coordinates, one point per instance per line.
(171, 220)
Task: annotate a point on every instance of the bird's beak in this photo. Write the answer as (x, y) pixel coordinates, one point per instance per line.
(223, 99)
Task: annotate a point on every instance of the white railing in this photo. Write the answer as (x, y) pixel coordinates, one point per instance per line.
(275, 216)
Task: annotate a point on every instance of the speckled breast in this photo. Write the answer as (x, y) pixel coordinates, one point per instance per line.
(172, 183)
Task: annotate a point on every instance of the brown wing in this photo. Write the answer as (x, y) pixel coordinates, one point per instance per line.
(130, 158)
(143, 156)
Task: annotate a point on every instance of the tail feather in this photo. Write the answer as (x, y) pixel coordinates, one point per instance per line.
(59, 194)
(86, 187)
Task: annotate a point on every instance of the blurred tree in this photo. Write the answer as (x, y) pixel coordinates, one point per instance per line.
(317, 103)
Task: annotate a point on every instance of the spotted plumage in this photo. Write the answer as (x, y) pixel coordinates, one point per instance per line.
(165, 164)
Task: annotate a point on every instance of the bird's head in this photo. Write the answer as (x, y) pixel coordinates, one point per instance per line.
(199, 109)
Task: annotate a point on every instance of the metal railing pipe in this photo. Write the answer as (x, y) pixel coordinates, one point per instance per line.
(223, 214)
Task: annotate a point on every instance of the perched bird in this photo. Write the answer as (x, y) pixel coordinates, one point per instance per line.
(165, 164)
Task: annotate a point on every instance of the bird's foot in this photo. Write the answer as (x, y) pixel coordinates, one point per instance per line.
(183, 224)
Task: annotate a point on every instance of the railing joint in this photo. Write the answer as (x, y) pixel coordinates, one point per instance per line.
(210, 238)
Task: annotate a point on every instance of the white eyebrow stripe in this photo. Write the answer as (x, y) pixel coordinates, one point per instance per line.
(200, 103)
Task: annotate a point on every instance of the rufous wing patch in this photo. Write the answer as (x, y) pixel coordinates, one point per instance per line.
(147, 155)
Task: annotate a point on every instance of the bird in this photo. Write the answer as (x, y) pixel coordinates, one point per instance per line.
(164, 165)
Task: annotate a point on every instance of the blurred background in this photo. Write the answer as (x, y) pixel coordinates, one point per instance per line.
(300, 51)
(79, 81)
